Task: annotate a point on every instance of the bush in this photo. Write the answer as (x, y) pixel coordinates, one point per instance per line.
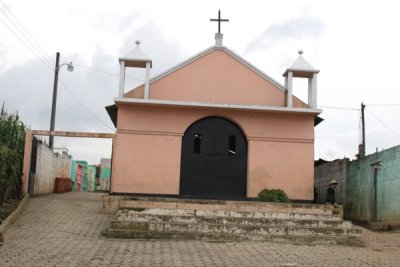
(12, 139)
(273, 195)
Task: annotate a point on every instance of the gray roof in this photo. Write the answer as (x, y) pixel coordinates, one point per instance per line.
(136, 58)
(301, 68)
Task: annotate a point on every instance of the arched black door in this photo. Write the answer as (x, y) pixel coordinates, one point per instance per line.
(214, 159)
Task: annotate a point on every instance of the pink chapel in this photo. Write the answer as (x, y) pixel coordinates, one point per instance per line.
(214, 126)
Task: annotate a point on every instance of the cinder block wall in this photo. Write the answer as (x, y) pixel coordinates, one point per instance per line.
(49, 165)
(326, 172)
(360, 187)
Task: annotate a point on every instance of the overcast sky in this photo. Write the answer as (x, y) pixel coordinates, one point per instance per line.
(354, 44)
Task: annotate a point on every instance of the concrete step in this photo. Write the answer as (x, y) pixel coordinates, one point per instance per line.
(156, 218)
(124, 217)
(238, 206)
(129, 213)
(224, 237)
(225, 228)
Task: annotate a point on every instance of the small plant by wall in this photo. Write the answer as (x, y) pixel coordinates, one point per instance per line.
(273, 195)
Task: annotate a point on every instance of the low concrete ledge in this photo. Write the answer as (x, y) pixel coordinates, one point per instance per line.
(14, 215)
(112, 203)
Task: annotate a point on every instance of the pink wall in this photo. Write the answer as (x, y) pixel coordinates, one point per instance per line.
(217, 77)
(147, 149)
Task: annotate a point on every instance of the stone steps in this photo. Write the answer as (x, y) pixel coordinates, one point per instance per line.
(223, 237)
(231, 221)
(272, 222)
(231, 228)
(129, 213)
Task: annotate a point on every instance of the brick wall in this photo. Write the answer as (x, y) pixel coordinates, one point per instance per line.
(49, 165)
(326, 172)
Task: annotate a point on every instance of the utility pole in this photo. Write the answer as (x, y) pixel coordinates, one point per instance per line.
(361, 147)
(54, 102)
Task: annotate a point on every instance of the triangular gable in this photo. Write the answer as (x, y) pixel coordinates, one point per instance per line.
(216, 75)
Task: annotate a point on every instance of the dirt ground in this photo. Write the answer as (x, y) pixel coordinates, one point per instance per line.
(6, 208)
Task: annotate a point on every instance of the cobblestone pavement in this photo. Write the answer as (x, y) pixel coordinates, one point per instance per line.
(65, 230)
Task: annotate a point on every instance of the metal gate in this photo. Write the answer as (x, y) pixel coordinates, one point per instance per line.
(32, 167)
(214, 159)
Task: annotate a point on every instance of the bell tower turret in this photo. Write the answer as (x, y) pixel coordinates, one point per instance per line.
(301, 69)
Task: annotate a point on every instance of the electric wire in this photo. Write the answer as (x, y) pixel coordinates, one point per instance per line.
(83, 106)
(30, 43)
(383, 105)
(381, 122)
(107, 72)
(25, 34)
(342, 108)
(26, 45)
(39, 52)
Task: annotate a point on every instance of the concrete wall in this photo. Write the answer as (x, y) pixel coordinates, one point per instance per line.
(326, 172)
(49, 165)
(362, 200)
(360, 187)
(147, 149)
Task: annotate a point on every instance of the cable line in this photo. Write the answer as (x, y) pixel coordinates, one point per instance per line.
(387, 127)
(83, 106)
(383, 105)
(107, 72)
(342, 108)
(24, 34)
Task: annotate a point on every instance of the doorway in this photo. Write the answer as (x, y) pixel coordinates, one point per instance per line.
(214, 159)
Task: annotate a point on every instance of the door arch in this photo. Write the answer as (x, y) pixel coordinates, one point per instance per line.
(214, 159)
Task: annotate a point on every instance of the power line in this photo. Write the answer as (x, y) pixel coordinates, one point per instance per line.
(107, 72)
(383, 105)
(26, 45)
(342, 108)
(387, 127)
(369, 105)
(27, 32)
(83, 106)
(25, 37)
(33, 44)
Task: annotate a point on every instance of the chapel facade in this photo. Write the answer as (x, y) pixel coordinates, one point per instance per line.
(214, 126)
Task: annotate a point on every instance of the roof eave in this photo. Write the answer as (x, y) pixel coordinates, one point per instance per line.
(220, 106)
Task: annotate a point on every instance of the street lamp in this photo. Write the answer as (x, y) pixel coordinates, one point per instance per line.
(70, 67)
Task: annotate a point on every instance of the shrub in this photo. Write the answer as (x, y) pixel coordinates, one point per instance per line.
(273, 195)
(12, 139)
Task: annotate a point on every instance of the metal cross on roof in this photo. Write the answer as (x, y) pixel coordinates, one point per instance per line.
(219, 21)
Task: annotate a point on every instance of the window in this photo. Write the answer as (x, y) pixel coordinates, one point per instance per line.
(232, 145)
(197, 144)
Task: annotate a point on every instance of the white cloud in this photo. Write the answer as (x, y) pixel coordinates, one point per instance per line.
(353, 43)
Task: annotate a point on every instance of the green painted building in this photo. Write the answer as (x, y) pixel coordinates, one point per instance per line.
(105, 175)
(78, 171)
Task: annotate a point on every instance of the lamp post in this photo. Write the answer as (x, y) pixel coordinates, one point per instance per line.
(54, 102)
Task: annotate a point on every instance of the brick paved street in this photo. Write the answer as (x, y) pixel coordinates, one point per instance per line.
(65, 230)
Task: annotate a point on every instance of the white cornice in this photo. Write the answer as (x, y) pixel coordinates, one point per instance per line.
(187, 104)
